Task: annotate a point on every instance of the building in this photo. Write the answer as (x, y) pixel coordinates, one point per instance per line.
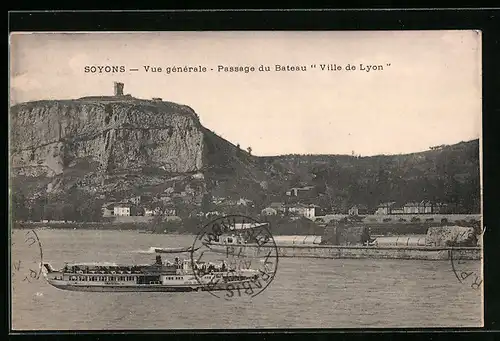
(121, 210)
(358, 210)
(107, 210)
(439, 208)
(279, 207)
(307, 211)
(244, 202)
(301, 192)
(269, 211)
(385, 208)
(397, 211)
(135, 200)
(423, 207)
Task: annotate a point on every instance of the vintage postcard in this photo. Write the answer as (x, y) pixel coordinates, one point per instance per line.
(236, 180)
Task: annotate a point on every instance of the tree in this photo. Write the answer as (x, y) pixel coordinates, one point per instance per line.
(18, 207)
(206, 203)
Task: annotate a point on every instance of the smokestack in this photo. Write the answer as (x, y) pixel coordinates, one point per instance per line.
(119, 89)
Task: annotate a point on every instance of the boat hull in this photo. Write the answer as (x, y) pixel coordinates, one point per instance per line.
(144, 287)
(131, 288)
(353, 252)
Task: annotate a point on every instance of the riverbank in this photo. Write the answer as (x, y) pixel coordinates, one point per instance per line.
(279, 227)
(83, 226)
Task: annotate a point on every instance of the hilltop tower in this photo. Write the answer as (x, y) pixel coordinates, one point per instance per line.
(119, 89)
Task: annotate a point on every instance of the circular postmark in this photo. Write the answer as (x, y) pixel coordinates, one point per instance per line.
(464, 260)
(26, 255)
(235, 256)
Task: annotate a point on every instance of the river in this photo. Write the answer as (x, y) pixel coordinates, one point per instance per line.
(306, 293)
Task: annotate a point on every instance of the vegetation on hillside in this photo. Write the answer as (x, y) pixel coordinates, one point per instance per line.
(449, 175)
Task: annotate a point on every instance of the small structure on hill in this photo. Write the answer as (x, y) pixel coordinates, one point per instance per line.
(119, 88)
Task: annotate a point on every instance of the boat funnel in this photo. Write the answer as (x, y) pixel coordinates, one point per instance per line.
(48, 268)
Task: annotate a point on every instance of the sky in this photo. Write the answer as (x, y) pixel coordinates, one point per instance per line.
(428, 93)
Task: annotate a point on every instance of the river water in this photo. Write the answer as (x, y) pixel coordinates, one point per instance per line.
(306, 293)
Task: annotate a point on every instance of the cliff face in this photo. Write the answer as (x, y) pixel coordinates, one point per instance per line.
(47, 137)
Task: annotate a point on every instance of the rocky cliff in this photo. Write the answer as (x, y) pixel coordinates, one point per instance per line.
(49, 136)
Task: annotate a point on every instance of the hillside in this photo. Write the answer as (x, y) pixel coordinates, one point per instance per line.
(75, 155)
(450, 175)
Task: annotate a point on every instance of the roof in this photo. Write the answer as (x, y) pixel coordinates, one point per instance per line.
(122, 205)
(302, 205)
(385, 204)
(363, 207)
(302, 188)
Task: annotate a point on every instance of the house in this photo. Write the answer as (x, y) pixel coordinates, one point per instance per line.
(423, 207)
(278, 206)
(212, 214)
(397, 211)
(165, 199)
(107, 210)
(410, 208)
(135, 200)
(269, 211)
(358, 210)
(218, 200)
(439, 208)
(121, 210)
(385, 208)
(307, 211)
(301, 192)
(244, 202)
(169, 212)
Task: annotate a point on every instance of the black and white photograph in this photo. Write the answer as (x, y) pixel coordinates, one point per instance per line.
(192, 180)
